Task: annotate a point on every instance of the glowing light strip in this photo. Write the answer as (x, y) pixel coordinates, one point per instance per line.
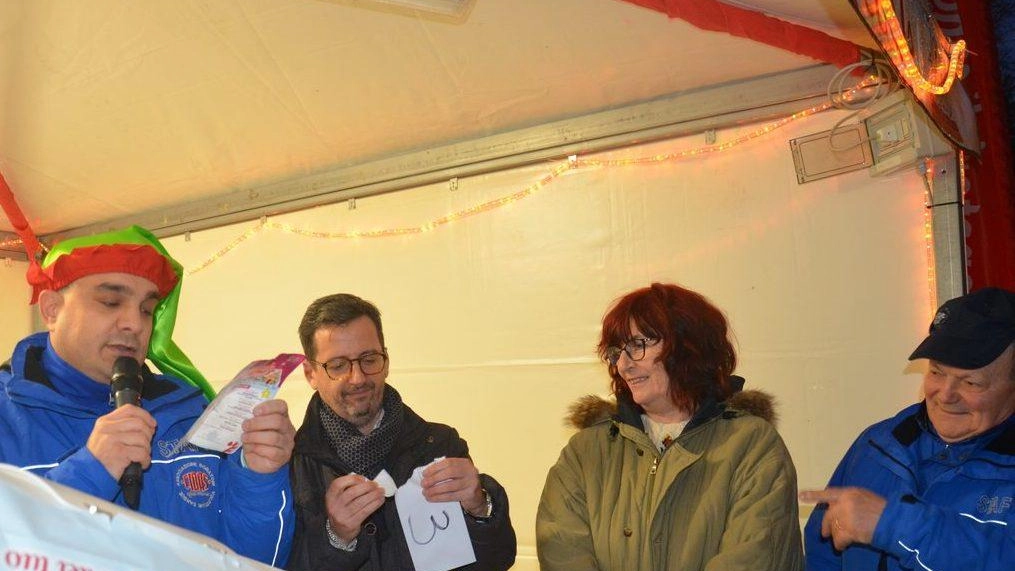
(962, 177)
(433, 224)
(227, 248)
(928, 233)
(889, 31)
(571, 163)
(691, 153)
(11, 243)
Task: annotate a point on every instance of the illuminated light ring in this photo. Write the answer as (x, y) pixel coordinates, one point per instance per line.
(890, 33)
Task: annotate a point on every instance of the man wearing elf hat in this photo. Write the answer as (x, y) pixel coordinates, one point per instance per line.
(115, 295)
(933, 488)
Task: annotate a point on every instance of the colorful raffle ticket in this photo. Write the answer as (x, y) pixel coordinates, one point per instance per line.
(220, 426)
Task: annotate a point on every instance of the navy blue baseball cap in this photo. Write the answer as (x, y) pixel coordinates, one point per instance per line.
(970, 331)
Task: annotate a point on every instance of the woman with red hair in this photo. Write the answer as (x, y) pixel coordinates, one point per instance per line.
(685, 471)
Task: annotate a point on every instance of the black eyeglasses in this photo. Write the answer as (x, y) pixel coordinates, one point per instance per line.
(635, 349)
(340, 368)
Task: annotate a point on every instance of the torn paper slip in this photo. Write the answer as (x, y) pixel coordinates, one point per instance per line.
(385, 481)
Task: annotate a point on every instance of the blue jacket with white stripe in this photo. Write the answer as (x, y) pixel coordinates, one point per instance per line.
(48, 409)
(949, 506)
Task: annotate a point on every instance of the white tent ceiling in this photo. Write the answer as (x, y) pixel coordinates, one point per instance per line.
(116, 110)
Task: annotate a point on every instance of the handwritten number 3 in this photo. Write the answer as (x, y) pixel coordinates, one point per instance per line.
(435, 526)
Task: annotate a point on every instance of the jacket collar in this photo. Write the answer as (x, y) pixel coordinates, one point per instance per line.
(28, 363)
(628, 412)
(312, 441)
(1004, 443)
(999, 440)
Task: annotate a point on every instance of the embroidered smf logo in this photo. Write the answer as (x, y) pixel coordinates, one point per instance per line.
(993, 505)
(196, 483)
(168, 448)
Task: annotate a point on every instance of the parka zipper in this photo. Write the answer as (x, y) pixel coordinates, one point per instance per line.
(655, 466)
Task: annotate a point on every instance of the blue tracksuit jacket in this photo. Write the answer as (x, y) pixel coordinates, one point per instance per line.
(949, 506)
(48, 409)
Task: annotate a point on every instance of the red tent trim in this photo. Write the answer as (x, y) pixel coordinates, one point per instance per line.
(715, 16)
(17, 219)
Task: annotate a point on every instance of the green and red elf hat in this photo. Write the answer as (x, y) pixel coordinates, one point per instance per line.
(76, 258)
(135, 251)
(131, 251)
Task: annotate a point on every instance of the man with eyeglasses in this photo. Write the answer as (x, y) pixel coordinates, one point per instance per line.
(357, 426)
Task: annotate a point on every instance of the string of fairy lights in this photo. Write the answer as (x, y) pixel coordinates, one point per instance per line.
(928, 231)
(572, 163)
(928, 168)
(886, 26)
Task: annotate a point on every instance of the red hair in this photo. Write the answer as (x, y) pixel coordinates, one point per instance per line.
(697, 353)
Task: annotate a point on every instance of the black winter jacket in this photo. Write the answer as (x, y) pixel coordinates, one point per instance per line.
(381, 545)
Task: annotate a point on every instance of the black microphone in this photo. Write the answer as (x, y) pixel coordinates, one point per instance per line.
(126, 389)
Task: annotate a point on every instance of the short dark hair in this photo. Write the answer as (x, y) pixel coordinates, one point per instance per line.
(334, 310)
(697, 353)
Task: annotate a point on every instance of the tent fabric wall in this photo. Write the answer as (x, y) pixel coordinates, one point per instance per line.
(491, 321)
(17, 314)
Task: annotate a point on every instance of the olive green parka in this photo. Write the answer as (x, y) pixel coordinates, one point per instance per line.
(721, 497)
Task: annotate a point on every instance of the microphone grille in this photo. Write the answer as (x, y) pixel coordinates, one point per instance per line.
(126, 374)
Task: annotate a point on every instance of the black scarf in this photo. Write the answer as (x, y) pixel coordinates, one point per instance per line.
(364, 454)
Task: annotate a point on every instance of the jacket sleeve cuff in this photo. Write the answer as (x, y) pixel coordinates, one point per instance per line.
(336, 541)
(238, 467)
(902, 526)
(497, 499)
(83, 472)
(352, 556)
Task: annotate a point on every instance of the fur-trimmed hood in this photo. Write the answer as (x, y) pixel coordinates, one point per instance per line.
(592, 409)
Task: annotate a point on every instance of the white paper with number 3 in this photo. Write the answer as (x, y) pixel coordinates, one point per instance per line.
(436, 532)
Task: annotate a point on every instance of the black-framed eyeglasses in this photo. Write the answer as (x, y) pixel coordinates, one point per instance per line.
(340, 368)
(635, 349)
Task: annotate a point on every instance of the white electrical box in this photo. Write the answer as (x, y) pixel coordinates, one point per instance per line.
(827, 154)
(901, 134)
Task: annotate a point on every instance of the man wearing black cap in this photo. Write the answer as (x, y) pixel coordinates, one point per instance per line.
(933, 488)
